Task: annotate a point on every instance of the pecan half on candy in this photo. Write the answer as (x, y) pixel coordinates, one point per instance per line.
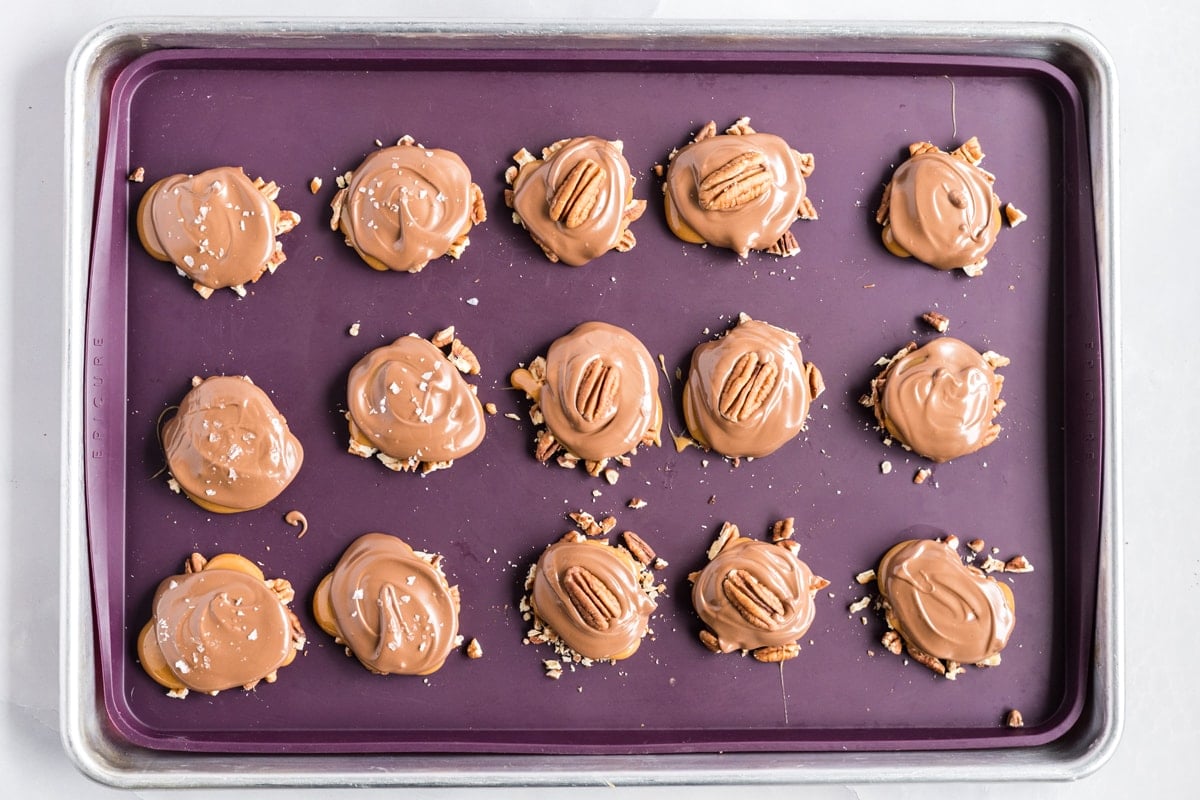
(749, 392)
(740, 190)
(755, 595)
(576, 201)
(592, 599)
(596, 391)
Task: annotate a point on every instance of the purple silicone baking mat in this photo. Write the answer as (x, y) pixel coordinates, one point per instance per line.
(291, 115)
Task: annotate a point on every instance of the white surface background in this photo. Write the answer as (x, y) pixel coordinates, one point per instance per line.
(1156, 47)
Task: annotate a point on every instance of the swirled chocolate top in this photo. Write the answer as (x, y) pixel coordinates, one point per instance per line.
(228, 447)
(391, 606)
(943, 607)
(940, 399)
(219, 627)
(406, 205)
(409, 401)
(217, 227)
(941, 208)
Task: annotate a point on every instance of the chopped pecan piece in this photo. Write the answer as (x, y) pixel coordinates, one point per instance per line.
(783, 529)
(637, 546)
(937, 321)
(728, 531)
(1018, 564)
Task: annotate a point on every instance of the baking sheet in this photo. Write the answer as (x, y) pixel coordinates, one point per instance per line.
(290, 116)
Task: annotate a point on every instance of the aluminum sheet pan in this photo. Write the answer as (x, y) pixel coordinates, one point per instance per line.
(293, 104)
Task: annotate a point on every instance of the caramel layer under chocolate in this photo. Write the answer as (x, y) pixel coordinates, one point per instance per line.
(754, 594)
(589, 594)
(749, 392)
(941, 208)
(406, 205)
(220, 625)
(600, 395)
(740, 190)
(390, 606)
(940, 399)
(941, 606)
(228, 447)
(408, 401)
(217, 227)
(577, 202)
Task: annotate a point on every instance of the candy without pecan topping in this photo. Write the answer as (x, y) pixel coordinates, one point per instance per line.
(228, 447)
(218, 227)
(940, 399)
(406, 205)
(941, 606)
(392, 608)
(410, 402)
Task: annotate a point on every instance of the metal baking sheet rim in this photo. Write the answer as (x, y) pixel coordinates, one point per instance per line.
(104, 757)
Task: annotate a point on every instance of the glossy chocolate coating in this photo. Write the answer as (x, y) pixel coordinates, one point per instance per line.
(391, 608)
(614, 616)
(609, 211)
(942, 210)
(409, 401)
(596, 426)
(769, 571)
(755, 225)
(940, 399)
(218, 629)
(216, 227)
(228, 447)
(738, 414)
(406, 205)
(942, 606)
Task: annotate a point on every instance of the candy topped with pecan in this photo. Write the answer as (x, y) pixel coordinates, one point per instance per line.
(755, 595)
(228, 449)
(749, 391)
(941, 208)
(740, 190)
(596, 391)
(217, 227)
(220, 625)
(576, 201)
(591, 600)
(391, 606)
(406, 205)
(410, 406)
(939, 400)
